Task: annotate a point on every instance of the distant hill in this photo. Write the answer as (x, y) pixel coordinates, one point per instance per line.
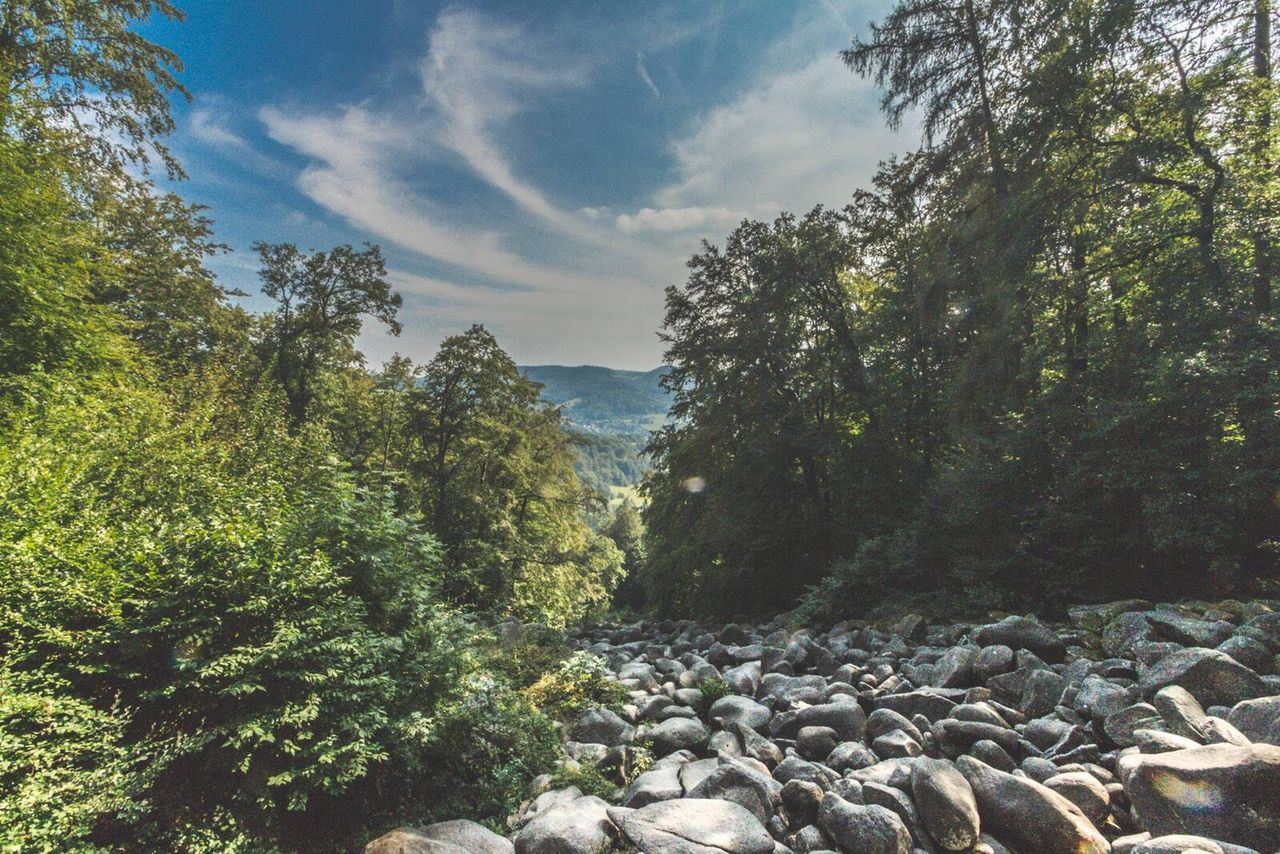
(604, 400)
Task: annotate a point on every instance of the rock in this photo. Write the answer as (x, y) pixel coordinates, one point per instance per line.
(1187, 631)
(658, 784)
(1041, 693)
(1023, 633)
(846, 718)
(1085, 791)
(1120, 725)
(934, 704)
(985, 750)
(581, 825)
(447, 837)
(602, 726)
(734, 709)
(1258, 719)
(1159, 741)
(955, 668)
(1098, 698)
(1212, 677)
(850, 755)
(694, 826)
(1181, 714)
(675, 734)
(882, 721)
(801, 800)
(1249, 651)
(992, 661)
(1029, 815)
(735, 783)
(863, 829)
(1221, 791)
(945, 804)
(1177, 844)
(816, 742)
(756, 745)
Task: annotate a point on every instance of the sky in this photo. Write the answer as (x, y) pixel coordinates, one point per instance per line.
(543, 168)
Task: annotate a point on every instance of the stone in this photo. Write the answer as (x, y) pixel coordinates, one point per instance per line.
(582, 825)
(1085, 791)
(992, 661)
(955, 668)
(675, 734)
(1221, 791)
(1181, 714)
(1023, 633)
(735, 783)
(1120, 726)
(863, 829)
(882, 721)
(801, 800)
(1098, 698)
(1249, 651)
(850, 755)
(1258, 719)
(1187, 630)
(945, 803)
(1028, 815)
(446, 837)
(732, 709)
(1041, 693)
(934, 704)
(986, 750)
(756, 745)
(1179, 843)
(846, 718)
(896, 745)
(1212, 677)
(657, 784)
(694, 826)
(816, 742)
(602, 726)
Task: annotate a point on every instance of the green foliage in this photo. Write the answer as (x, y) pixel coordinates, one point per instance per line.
(713, 688)
(580, 682)
(493, 473)
(268, 627)
(587, 779)
(538, 651)
(482, 753)
(604, 401)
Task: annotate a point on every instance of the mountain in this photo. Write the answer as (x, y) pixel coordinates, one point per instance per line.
(604, 400)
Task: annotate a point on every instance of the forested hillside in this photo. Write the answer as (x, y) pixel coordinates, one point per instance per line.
(605, 400)
(1035, 362)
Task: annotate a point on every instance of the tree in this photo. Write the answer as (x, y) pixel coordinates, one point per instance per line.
(493, 474)
(81, 64)
(321, 301)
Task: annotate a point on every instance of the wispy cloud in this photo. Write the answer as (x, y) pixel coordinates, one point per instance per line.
(678, 219)
(644, 75)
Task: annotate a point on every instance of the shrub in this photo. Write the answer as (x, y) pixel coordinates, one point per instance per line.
(211, 597)
(538, 651)
(582, 681)
(713, 688)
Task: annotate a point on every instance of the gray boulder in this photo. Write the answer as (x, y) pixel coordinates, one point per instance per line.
(446, 837)
(1258, 719)
(1221, 791)
(748, 789)
(1028, 815)
(694, 826)
(946, 804)
(1023, 633)
(1085, 791)
(1213, 678)
(734, 709)
(581, 826)
(859, 829)
(676, 734)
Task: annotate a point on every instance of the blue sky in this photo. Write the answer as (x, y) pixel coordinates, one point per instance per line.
(543, 168)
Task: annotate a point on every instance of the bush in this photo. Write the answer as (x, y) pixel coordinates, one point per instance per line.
(538, 651)
(582, 681)
(213, 598)
(713, 688)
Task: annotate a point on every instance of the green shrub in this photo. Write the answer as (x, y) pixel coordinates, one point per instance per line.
(582, 681)
(713, 688)
(587, 778)
(538, 651)
(213, 597)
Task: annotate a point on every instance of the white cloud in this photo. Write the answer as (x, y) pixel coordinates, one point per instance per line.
(665, 220)
(644, 75)
(799, 137)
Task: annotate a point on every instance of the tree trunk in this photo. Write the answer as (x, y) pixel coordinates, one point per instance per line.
(1262, 70)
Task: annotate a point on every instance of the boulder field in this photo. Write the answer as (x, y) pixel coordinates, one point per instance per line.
(1135, 729)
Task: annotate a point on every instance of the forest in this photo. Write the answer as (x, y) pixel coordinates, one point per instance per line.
(253, 589)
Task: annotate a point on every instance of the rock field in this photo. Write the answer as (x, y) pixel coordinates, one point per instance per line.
(1136, 728)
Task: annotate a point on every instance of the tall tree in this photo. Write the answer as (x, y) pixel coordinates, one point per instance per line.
(321, 302)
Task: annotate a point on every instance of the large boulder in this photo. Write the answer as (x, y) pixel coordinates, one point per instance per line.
(846, 718)
(446, 837)
(602, 726)
(1258, 719)
(859, 829)
(1028, 815)
(735, 709)
(694, 826)
(1213, 678)
(751, 790)
(1221, 791)
(1023, 633)
(581, 826)
(946, 804)
(675, 734)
